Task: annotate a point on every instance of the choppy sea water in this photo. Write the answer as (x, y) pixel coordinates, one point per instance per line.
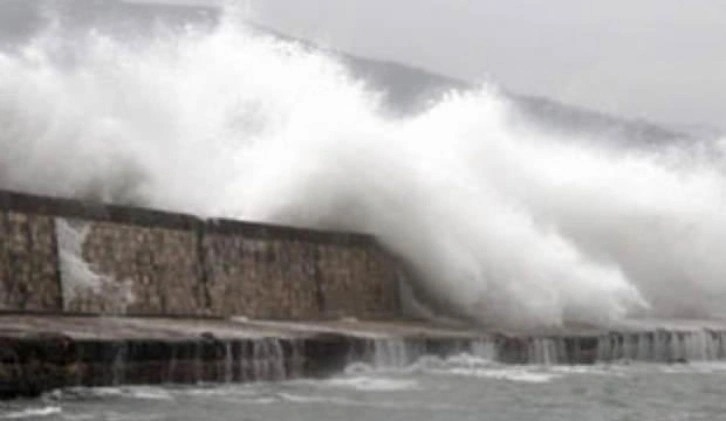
(458, 389)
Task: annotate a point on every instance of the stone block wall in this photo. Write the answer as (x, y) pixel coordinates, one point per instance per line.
(132, 269)
(64, 255)
(29, 279)
(357, 280)
(259, 277)
(282, 273)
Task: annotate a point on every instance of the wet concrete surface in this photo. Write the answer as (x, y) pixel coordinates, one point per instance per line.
(43, 352)
(130, 328)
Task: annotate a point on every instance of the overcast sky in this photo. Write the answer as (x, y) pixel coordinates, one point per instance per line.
(662, 60)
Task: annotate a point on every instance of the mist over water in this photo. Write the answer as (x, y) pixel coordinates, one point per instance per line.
(504, 224)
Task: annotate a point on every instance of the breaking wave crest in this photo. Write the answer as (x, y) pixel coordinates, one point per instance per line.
(502, 223)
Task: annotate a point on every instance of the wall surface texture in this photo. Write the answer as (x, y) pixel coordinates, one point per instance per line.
(64, 255)
(29, 277)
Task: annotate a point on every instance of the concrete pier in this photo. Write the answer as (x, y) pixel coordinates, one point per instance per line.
(95, 295)
(41, 352)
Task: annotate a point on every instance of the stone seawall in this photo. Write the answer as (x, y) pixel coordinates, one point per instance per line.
(59, 255)
(96, 295)
(29, 277)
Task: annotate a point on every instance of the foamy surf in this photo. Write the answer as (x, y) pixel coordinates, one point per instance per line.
(370, 383)
(34, 413)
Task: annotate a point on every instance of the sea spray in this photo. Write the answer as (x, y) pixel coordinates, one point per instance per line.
(503, 224)
(78, 279)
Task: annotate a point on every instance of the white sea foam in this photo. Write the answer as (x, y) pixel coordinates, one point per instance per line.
(366, 383)
(362, 403)
(504, 225)
(45, 411)
(134, 392)
(510, 374)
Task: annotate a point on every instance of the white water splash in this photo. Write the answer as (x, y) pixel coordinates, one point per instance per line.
(504, 225)
(78, 279)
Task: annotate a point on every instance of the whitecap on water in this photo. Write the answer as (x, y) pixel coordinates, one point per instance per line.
(32, 413)
(517, 374)
(380, 384)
